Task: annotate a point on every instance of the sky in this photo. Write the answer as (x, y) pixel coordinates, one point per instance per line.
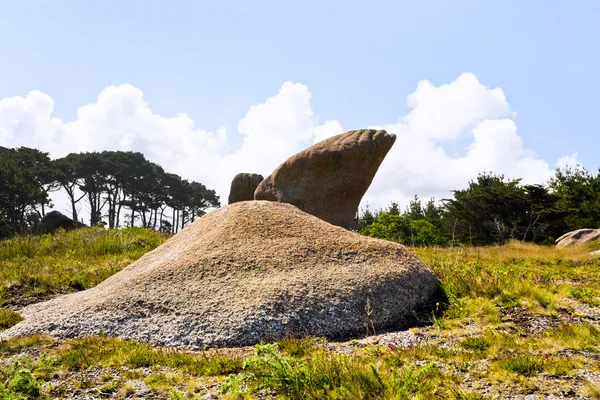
(210, 89)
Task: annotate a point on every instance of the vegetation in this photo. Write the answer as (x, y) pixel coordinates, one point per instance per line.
(37, 266)
(9, 318)
(521, 318)
(493, 210)
(109, 181)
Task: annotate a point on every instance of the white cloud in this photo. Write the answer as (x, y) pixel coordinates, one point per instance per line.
(571, 161)
(445, 112)
(28, 120)
(327, 130)
(463, 110)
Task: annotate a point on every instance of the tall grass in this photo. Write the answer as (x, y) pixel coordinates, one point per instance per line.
(514, 274)
(68, 261)
(88, 242)
(113, 352)
(329, 376)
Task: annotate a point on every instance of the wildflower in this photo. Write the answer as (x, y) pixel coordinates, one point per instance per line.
(391, 370)
(390, 346)
(307, 358)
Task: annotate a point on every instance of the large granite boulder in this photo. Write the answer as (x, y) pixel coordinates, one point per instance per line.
(55, 220)
(244, 273)
(329, 179)
(243, 186)
(577, 238)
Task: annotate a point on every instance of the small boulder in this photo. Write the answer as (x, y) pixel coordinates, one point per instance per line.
(55, 220)
(329, 179)
(577, 238)
(243, 186)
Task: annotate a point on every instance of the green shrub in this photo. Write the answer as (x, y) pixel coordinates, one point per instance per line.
(21, 385)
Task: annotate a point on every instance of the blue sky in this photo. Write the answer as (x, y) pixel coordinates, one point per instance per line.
(359, 60)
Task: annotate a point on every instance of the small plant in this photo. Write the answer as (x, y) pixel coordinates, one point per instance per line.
(586, 295)
(9, 318)
(522, 364)
(592, 390)
(175, 394)
(108, 388)
(297, 347)
(476, 344)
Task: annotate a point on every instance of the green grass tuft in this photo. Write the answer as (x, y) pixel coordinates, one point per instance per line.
(9, 318)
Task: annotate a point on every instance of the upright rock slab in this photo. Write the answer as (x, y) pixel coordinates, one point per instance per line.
(329, 179)
(248, 272)
(243, 186)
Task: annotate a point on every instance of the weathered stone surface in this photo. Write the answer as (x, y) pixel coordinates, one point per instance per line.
(247, 272)
(329, 179)
(243, 186)
(577, 238)
(55, 220)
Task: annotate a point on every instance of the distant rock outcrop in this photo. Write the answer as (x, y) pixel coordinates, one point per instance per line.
(55, 220)
(248, 272)
(243, 186)
(577, 238)
(329, 179)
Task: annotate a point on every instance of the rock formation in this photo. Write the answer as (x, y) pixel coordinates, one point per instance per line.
(329, 179)
(55, 220)
(577, 238)
(243, 186)
(243, 273)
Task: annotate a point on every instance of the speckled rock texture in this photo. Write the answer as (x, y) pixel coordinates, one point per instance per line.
(577, 238)
(247, 272)
(329, 179)
(243, 186)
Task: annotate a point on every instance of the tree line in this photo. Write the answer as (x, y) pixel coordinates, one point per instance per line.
(118, 188)
(494, 210)
(124, 189)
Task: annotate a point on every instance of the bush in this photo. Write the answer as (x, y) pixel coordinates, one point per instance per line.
(403, 229)
(21, 385)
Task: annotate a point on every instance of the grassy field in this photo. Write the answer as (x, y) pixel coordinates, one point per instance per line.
(521, 320)
(35, 267)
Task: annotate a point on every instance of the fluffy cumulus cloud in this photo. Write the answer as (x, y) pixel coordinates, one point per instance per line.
(462, 112)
